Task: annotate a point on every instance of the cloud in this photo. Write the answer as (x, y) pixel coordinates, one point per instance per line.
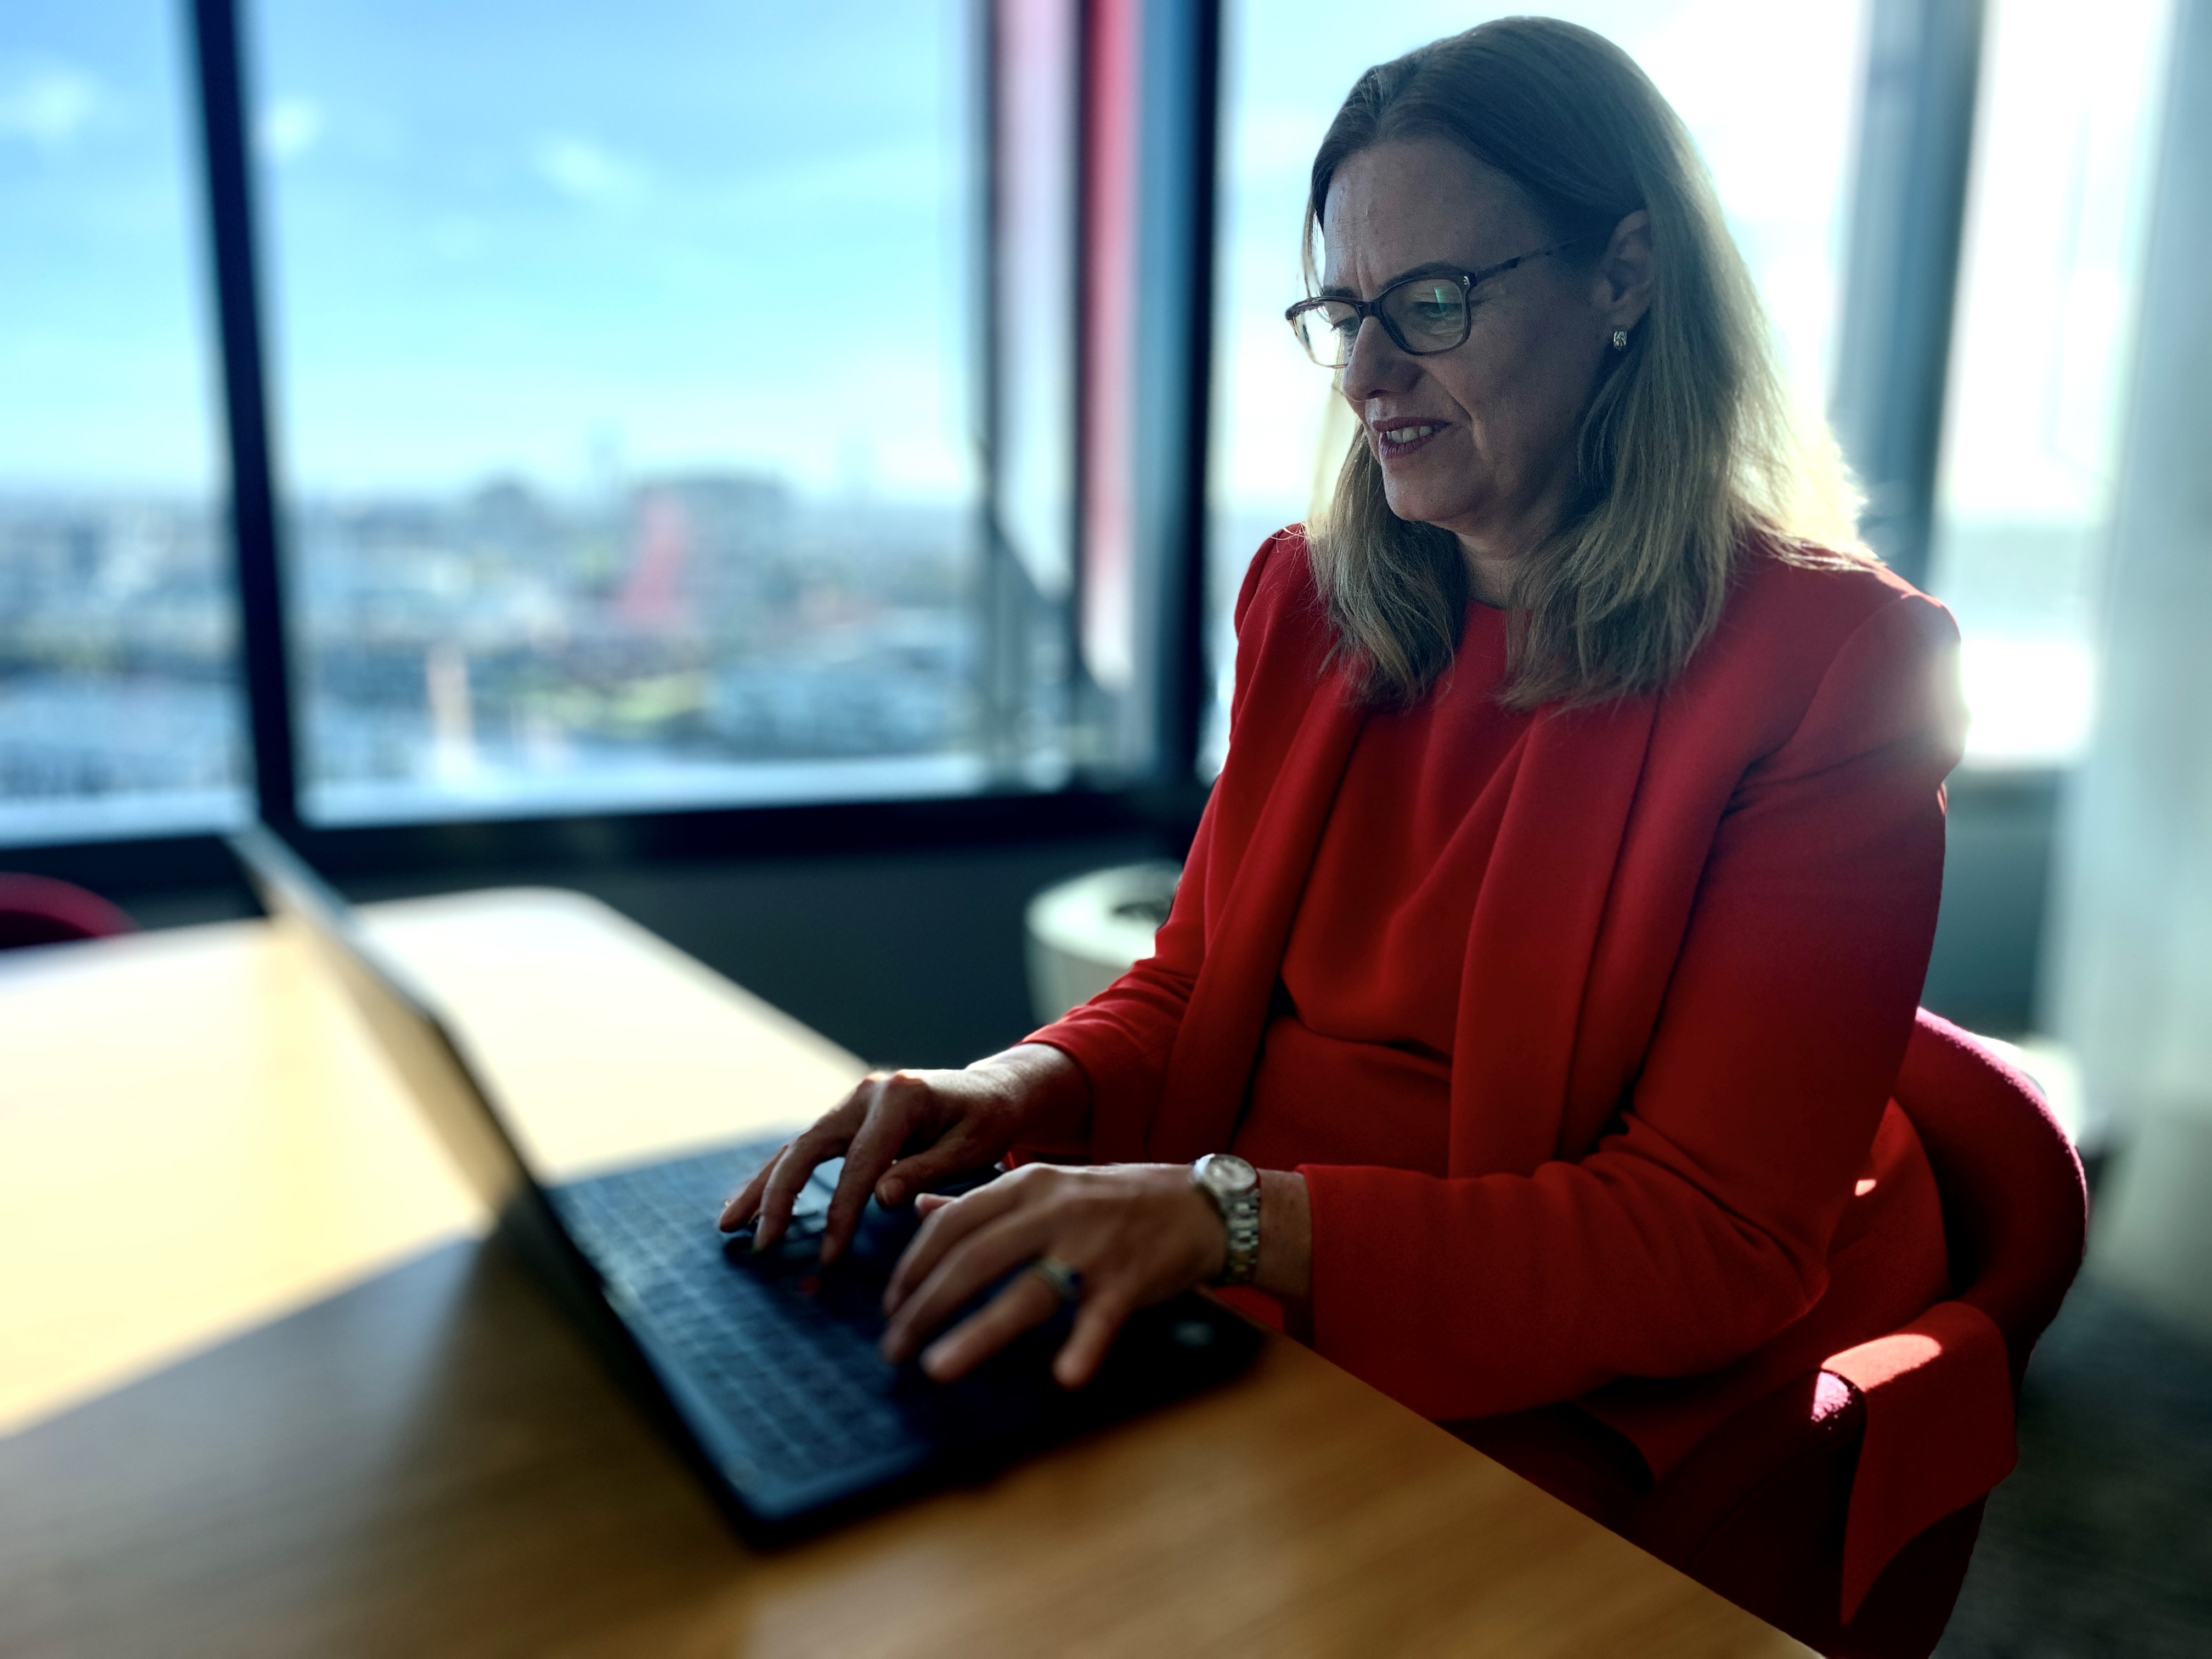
(49, 105)
(585, 171)
(289, 128)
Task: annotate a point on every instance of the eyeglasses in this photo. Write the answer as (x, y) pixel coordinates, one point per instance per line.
(1423, 315)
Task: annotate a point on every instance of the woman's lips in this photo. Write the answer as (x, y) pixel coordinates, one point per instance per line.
(1396, 439)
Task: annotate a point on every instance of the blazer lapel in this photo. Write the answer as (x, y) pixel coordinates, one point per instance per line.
(1535, 926)
(1211, 1061)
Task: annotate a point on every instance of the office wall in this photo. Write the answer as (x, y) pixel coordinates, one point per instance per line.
(1996, 871)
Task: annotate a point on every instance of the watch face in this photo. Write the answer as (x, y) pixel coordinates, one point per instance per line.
(1226, 1172)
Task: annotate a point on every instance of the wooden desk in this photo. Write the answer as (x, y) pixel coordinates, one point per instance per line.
(393, 1446)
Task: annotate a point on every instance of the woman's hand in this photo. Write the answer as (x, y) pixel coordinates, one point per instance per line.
(1137, 1233)
(902, 1131)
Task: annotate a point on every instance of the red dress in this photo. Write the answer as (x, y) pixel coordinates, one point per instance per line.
(1580, 1024)
(1355, 1065)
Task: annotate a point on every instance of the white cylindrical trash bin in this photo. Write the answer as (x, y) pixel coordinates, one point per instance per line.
(1085, 933)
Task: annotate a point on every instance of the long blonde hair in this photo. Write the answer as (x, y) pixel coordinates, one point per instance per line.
(1690, 449)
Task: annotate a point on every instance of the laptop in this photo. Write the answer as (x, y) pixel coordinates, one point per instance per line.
(760, 1367)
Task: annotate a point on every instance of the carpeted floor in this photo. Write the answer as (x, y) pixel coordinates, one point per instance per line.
(2100, 1543)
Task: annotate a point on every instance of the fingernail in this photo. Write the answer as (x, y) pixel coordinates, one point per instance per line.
(888, 1195)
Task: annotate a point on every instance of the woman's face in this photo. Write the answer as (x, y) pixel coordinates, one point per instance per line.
(1479, 439)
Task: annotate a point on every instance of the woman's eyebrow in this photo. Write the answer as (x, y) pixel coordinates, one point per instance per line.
(1434, 267)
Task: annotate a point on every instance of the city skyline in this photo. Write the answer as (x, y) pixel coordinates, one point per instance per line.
(494, 647)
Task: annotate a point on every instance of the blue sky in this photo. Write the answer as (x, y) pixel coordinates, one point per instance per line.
(510, 238)
(103, 376)
(504, 238)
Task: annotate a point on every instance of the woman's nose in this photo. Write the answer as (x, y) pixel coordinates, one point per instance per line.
(1375, 364)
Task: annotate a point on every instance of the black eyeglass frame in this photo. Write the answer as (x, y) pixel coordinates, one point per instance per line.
(1363, 309)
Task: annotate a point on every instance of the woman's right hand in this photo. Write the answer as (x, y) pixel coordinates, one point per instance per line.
(903, 1132)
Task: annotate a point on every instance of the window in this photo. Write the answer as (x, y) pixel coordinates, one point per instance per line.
(621, 361)
(119, 707)
(1769, 92)
(2054, 228)
(640, 441)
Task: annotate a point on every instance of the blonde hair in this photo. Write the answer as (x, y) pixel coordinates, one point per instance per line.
(1690, 447)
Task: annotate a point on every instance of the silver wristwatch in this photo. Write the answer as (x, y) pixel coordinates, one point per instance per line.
(1234, 1187)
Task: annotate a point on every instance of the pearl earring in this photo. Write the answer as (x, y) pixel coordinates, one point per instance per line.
(1620, 339)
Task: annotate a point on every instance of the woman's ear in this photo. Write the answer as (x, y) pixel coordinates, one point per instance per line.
(1625, 272)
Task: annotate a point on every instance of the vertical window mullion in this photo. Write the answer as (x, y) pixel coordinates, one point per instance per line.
(1151, 87)
(1915, 144)
(1181, 175)
(264, 646)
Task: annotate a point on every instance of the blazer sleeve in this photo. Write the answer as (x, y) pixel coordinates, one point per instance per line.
(1698, 1226)
(1122, 1039)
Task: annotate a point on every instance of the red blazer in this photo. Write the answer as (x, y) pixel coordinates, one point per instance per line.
(1696, 952)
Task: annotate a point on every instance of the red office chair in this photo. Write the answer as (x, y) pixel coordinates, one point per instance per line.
(1762, 1509)
(34, 910)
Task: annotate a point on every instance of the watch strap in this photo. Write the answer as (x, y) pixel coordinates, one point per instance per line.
(1240, 1214)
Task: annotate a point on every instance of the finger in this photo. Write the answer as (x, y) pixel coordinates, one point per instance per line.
(767, 1226)
(946, 1224)
(739, 1210)
(969, 1266)
(1098, 1321)
(955, 1155)
(1027, 1301)
(892, 1113)
(824, 1140)
(930, 1203)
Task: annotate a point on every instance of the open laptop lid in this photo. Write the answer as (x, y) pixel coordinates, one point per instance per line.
(461, 1110)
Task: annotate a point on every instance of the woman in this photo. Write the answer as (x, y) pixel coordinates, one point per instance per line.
(1553, 936)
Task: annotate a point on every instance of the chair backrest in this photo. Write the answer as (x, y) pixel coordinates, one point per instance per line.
(37, 910)
(1759, 1509)
(2015, 1205)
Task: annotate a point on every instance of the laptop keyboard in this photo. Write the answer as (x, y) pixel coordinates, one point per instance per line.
(784, 1351)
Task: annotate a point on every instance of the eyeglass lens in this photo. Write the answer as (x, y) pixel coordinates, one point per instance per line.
(1427, 314)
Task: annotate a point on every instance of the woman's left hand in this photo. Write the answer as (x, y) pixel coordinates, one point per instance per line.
(1137, 1233)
